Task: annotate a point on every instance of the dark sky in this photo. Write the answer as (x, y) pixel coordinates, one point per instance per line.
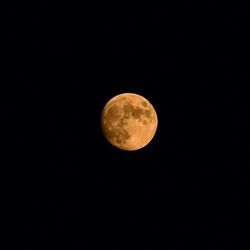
(188, 187)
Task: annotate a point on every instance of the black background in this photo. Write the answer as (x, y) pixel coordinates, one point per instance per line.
(188, 187)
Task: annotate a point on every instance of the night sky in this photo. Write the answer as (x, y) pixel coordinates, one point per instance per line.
(188, 187)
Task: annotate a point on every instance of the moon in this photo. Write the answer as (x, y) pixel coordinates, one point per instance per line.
(129, 121)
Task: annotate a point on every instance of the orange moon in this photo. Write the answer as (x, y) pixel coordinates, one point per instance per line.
(129, 121)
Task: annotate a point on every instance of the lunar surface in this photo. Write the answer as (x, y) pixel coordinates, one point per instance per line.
(129, 121)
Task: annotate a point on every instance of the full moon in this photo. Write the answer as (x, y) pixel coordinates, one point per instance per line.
(129, 121)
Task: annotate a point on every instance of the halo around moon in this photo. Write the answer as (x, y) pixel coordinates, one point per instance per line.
(129, 121)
